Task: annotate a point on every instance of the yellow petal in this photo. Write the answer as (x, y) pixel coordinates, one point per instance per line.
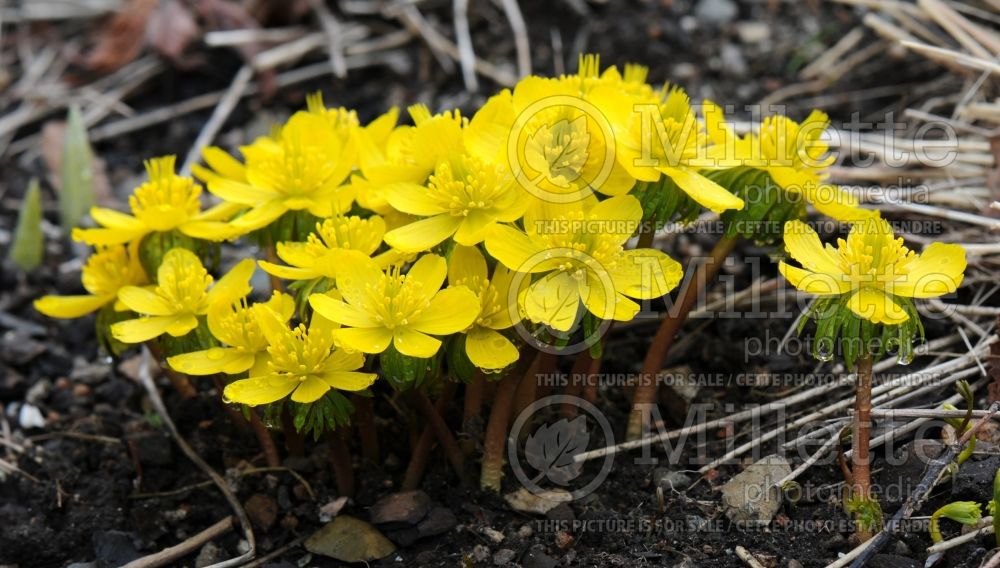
(413, 199)
(423, 234)
(875, 306)
(450, 311)
(310, 390)
(426, 276)
(98, 237)
(141, 329)
(71, 306)
(348, 381)
(243, 193)
(359, 273)
(211, 361)
(487, 132)
(513, 248)
(111, 219)
(223, 164)
(466, 264)
(814, 282)
(414, 344)
(803, 245)
(703, 190)
(837, 203)
(474, 227)
(144, 301)
(619, 216)
(605, 302)
(488, 349)
(345, 314)
(209, 230)
(937, 271)
(235, 284)
(553, 300)
(260, 216)
(288, 272)
(364, 339)
(645, 274)
(259, 390)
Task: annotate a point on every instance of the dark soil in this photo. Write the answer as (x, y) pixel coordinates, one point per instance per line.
(102, 484)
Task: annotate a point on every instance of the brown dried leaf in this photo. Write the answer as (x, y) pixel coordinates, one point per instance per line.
(121, 38)
(171, 29)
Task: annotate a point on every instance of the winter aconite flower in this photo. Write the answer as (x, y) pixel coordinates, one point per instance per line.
(300, 169)
(486, 347)
(105, 272)
(181, 295)
(793, 154)
(871, 268)
(464, 197)
(167, 202)
(236, 325)
(582, 258)
(405, 310)
(661, 136)
(301, 362)
(317, 256)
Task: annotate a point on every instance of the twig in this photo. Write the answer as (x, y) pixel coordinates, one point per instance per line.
(898, 413)
(931, 473)
(146, 379)
(466, 54)
(943, 55)
(175, 553)
(520, 31)
(219, 116)
(334, 36)
(826, 447)
(750, 560)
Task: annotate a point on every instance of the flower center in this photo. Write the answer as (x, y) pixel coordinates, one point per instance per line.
(468, 185)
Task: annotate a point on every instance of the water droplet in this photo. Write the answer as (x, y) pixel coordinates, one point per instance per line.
(824, 349)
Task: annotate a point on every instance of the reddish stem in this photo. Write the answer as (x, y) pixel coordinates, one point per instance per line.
(340, 460)
(647, 388)
(496, 427)
(265, 440)
(422, 451)
(364, 416)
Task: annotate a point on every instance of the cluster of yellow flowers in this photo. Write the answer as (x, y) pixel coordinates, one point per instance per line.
(400, 237)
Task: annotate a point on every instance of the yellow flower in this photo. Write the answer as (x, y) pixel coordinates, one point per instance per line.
(105, 272)
(661, 135)
(794, 155)
(406, 310)
(464, 197)
(486, 347)
(347, 127)
(582, 257)
(237, 326)
(301, 362)
(872, 267)
(559, 145)
(166, 202)
(179, 297)
(317, 258)
(301, 169)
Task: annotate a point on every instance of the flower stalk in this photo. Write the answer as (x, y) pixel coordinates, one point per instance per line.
(495, 439)
(647, 389)
(861, 432)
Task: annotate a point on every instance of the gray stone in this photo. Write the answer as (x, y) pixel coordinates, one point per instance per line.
(750, 497)
(439, 521)
(349, 540)
(536, 558)
(480, 553)
(407, 507)
(524, 501)
(716, 11)
(208, 555)
(503, 557)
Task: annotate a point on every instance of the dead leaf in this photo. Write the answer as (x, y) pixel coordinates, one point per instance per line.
(171, 29)
(121, 38)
